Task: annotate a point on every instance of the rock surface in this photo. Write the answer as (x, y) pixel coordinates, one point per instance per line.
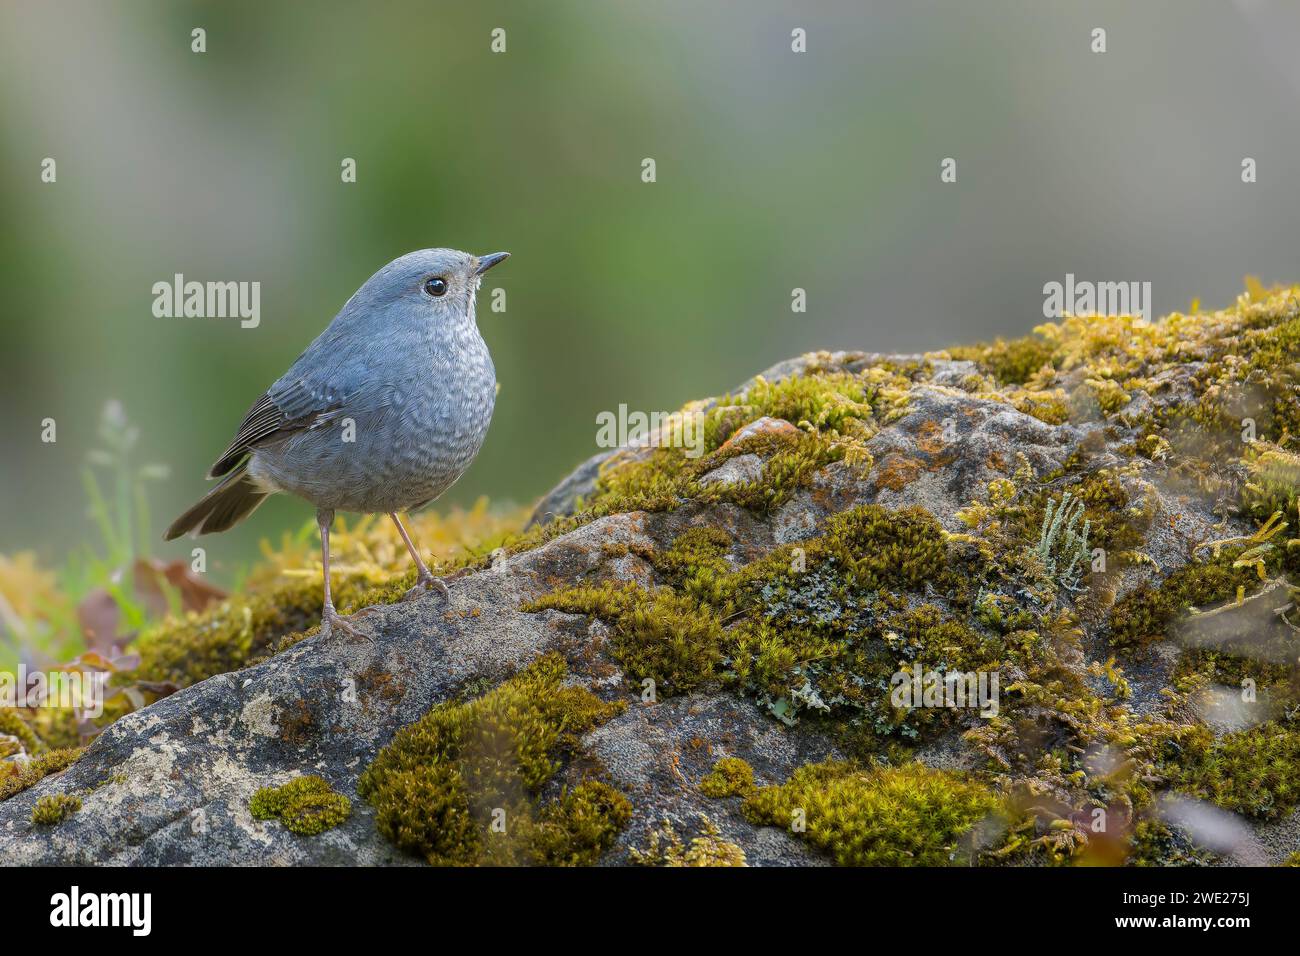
(170, 784)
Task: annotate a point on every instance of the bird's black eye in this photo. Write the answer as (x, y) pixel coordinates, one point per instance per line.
(436, 287)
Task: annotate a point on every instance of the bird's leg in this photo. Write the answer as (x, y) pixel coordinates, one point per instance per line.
(425, 578)
(330, 618)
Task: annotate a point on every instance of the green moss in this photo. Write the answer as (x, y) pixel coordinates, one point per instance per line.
(884, 816)
(1274, 482)
(14, 726)
(1198, 666)
(834, 410)
(697, 564)
(659, 635)
(1112, 525)
(54, 808)
(1149, 611)
(665, 478)
(847, 665)
(826, 400)
(1255, 772)
(1010, 362)
(1153, 843)
(1049, 407)
(730, 777)
(305, 805)
(812, 627)
(458, 786)
(707, 849)
(578, 827)
(15, 778)
(236, 632)
(881, 548)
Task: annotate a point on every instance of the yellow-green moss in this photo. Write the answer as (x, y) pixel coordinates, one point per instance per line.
(305, 805)
(458, 786)
(1105, 507)
(661, 635)
(664, 478)
(16, 777)
(730, 777)
(835, 411)
(1255, 771)
(578, 827)
(54, 808)
(1274, 481)
(1148, 612)
(234, 633)
(810, 627)
(883, 816)
(707, 849)
(1011, 362)
(12, 725)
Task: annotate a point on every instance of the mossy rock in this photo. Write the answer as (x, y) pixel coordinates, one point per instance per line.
(459, 785)
(851, 517)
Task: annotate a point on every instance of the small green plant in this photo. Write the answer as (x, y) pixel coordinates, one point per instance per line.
(117, 502)
(54, 808)
(1062, 545)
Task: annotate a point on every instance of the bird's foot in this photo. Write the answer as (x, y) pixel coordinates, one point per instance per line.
(331, 619)
(424, 583)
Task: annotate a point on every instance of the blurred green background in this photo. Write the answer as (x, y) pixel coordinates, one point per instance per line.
(775, 170)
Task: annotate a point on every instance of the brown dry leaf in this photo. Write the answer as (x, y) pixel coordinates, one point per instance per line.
(196, 593)
(100, 617)
(98, 614)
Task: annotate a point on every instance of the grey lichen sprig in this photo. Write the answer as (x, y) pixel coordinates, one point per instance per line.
(1062, 545)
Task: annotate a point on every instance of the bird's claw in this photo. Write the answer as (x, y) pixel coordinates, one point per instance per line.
(331, 619)
(423, 583)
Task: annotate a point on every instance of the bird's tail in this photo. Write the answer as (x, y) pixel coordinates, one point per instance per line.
(223, 507)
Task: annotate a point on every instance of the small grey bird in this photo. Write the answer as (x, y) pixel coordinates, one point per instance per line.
(381, 414)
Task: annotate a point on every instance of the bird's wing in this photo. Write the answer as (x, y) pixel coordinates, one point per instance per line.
(286, 407)
(330, 375)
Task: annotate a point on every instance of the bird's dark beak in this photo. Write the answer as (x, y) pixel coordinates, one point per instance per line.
(487, 262)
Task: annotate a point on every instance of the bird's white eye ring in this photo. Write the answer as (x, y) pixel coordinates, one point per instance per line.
(436, 286)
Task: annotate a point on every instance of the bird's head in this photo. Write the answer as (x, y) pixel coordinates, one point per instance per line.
(433, 286)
